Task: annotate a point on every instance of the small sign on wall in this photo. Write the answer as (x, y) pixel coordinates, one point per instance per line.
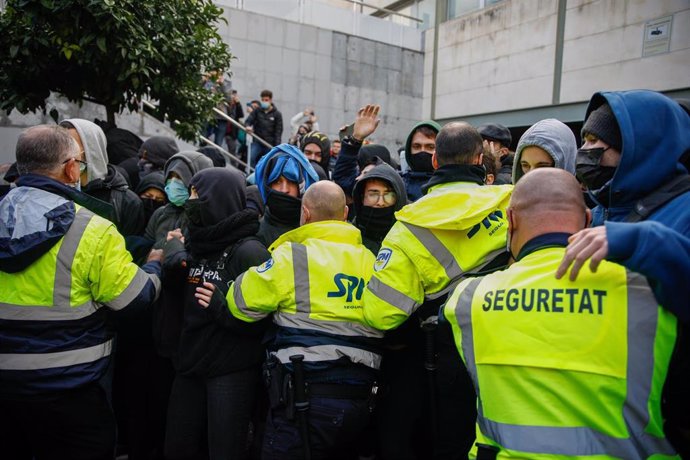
(657, 36)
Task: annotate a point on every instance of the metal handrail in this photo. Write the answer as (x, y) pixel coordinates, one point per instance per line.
(241, 126)
(386, 10)
(229, 156)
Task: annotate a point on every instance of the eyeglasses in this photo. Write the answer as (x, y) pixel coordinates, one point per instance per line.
(373, 196)
(82, 164)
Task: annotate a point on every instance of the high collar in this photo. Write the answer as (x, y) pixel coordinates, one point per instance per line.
(547, 240)
(329, 230)
(456, 173)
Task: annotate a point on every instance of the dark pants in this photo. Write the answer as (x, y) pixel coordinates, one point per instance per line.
(406, 413)
(211, 415)
(77, 424)
(335, 426)
(258, 150)
(216, 132)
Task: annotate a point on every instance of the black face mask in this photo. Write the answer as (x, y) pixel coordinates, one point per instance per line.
(375, 223)
(150, 205)
(283, 208)
(588, 170)
(421, 162)
(192, 209)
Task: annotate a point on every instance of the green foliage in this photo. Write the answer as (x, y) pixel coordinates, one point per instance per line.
(112, 52)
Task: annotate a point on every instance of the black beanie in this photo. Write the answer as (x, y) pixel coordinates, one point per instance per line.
(602, 123)
(320, 139)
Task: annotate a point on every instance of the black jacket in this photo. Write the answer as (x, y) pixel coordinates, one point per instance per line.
(128, 208)
(211, 341)
(268, 125)
(505, 173)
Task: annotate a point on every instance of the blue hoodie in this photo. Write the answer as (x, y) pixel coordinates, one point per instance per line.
(289, 162)
(655, 132)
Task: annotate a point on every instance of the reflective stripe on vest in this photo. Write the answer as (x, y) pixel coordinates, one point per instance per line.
(642, 309)
(133, 289)
(330, 353)
(301, 319)
(61, 310)
(445, 258)
(391, 295)
(242, 304)
(36, 361)
(300, 264)
(62, 285)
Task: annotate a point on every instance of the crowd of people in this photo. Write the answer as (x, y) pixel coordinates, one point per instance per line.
(453, 299)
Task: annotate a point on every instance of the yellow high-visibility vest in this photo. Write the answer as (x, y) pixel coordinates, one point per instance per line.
(312, 283)
(565, 369)
(456, 228)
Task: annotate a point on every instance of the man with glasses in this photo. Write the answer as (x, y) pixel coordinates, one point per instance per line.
(377, 195)
(60, 264)
(457, 228)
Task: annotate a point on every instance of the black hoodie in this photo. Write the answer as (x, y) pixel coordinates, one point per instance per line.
(129, 210)
(219, 246)
(370, 222)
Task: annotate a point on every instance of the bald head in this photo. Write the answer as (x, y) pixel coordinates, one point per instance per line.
(458, 143)
(547, 200)
(324, 200)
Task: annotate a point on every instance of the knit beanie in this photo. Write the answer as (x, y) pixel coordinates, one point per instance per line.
(320, 139)
(602, 124)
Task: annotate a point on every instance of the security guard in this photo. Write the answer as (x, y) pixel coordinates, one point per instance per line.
(313, 285)
(59, 264)
(562, 369)
(458, 227)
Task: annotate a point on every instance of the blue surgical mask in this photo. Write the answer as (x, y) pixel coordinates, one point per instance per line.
(265, 105)
(177, 192)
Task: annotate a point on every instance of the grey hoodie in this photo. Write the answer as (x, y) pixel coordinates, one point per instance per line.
(169, 217)
(555, 138)
(95, 147)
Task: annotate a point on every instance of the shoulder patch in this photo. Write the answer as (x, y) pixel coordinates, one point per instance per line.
(382, 259)
(265, 266)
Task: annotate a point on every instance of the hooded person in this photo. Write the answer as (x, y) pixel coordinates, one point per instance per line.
(282, 176)
(154, 153)
(547, 143)
(377, 196)
(214, 154)
(123, 151)
(419, 148)
(630, 162)
(178, 171)
(358, 158)
(151, 191)
(215, 350)
(317, 147)
(102, 181)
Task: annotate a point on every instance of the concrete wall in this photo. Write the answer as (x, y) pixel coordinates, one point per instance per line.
(502, 58)
(333, 72)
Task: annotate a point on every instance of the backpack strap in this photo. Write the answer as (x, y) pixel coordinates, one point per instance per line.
(229, 252)
(646, 206)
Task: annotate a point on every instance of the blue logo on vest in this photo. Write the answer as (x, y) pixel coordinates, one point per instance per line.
(348, 285)
(265, 266)
(382, 259)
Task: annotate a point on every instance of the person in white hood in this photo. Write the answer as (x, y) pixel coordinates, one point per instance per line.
(102, 181)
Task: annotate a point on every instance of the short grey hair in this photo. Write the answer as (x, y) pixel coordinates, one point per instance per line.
(44, 148)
